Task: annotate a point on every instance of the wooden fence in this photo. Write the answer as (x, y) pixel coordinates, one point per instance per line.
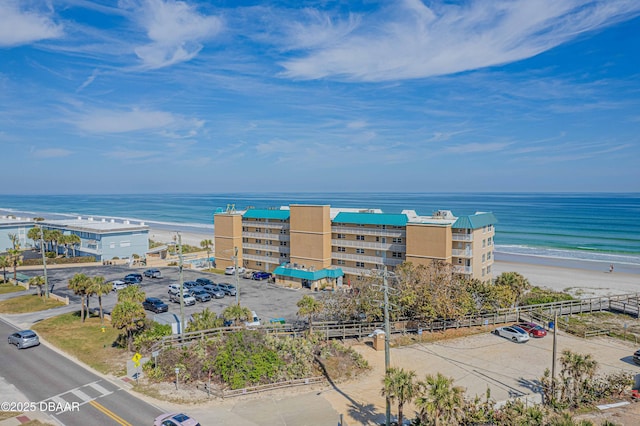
(229, 393)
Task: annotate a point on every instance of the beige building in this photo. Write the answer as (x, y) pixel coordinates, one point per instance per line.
(320, 246)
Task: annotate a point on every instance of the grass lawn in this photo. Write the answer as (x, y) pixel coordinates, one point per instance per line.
(27, 303)
(86, 341)
(10, 288)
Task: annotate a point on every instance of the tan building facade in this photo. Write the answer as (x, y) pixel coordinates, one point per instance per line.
(311, 245)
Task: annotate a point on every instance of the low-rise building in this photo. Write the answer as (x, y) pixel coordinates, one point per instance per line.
(11, 225)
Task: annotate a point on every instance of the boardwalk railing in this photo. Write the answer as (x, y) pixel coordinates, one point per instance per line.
(229, 393)
(541, 313)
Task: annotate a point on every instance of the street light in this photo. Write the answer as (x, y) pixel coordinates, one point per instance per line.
(177, 370)
(44, 263)
(180, 278)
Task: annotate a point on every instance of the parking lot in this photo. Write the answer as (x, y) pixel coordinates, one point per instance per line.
(268, 300)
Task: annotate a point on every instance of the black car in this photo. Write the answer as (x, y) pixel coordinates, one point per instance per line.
(154, 304)
(204, 281)
(636, 357)
(133, 279)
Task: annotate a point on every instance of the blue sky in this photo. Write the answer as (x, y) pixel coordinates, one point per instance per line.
(151, 96)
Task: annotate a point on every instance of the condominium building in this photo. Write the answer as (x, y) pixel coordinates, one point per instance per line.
(309, 245)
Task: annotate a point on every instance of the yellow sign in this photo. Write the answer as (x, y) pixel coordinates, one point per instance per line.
(136, 359)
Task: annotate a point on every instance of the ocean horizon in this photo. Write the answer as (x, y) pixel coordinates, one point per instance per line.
(532, 227)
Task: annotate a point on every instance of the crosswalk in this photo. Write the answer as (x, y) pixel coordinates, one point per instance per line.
(79, 396)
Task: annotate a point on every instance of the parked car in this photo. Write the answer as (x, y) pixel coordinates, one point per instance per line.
(188, 300)
(24, 339)
(260, 275)
(512, 332)
(231, 270)
(174, 288)
(247, 275)
(118, 285)
(204, 281)
(255, 320)
(153, 273)
(175, 419)
(133, 279)
(228, 288)
(155, 305)
(190, 284)
(636, 357)
(533, 329)
(200, 294)
(214, 290)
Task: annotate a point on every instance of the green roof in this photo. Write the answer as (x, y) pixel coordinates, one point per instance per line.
(475, 221)
(308, 275)
(266, 214)
(371, 218)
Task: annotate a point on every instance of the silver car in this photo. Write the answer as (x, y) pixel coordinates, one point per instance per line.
(24, 339)
(513, 332)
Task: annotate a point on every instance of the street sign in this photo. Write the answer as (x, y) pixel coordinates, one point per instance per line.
(136, 359)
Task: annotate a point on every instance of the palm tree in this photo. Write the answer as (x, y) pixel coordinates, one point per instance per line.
(131, 294)
(14, 240)
(55, 236)
(207, 244)
(74, 241)
(514, 281)
(399, 385)
(80, 284)
(37, 281)
(440, 400)
(15, 259)
(5, 263)
(129, 316)
(236, 313)
(308, 307)
(99, 288)
(34, 234)
(204, 320)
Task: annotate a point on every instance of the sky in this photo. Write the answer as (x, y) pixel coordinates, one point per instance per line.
(165, 96)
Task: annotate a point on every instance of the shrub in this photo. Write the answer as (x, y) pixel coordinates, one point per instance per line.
(152, 333)
(539, 295)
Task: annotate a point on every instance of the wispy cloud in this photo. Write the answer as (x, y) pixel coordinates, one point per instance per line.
(475, 147)
(22, 25)
(175, 30)
(412, 40)
(51, 153)
(108, 121)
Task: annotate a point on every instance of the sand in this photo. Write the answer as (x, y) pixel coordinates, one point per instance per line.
(190, 238)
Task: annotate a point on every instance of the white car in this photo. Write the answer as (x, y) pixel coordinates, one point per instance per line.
(230, 270)
(188, 299)
(255, 322)
(118, 285)
(512, 332)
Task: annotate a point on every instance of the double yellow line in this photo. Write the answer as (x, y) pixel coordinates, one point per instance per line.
(110, 414)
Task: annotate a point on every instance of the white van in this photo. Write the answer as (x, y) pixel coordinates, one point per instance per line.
(255, 322)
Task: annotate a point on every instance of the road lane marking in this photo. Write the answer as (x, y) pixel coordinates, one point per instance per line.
(100, 389)
(110, 413)
(83, 396)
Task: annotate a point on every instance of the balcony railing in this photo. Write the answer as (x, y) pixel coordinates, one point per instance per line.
(269, 259)
(271, 225)
(370, 245)
(278, 249)
(462, 253)
(265, 236)
(368, 231)
(462, 269)
(461, 237)
(366, 259)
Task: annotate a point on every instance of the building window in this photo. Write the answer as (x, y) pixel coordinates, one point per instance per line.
(396, 254)
(341, 249)
(360, 251)
(359, 264)
(283, 231)
(489, 241)
(360, 237)
(283, 254)
(377, 239)
(283, 243)
(340, 236)
(258, 241)
(267, 253)
(488, 269)
(483, 258)
(112, 245)
(258, 263)
(340, 262)
(484, 243)
(125, 243)
(258, 230)
(258, 251)
(484, 229)
(460, 260)
(245, 229)
(483, 272)
(489, 256)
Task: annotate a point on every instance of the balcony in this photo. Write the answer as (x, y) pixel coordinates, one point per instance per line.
(276, 260)
(374, 260)
(271, 225)
(264, 236)
(462, 253)
(275, 249)
(368, 231)
(461, 237)
(467, 270)
(369, 245)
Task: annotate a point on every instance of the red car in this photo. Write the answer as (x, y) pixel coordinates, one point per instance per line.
(534, 330)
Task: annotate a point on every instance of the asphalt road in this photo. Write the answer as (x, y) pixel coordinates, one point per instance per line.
(268, 300)
(52, 382)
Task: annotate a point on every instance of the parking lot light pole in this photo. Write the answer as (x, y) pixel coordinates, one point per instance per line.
(235, 270)
(387, 332)
(44, 263)
(180, 264)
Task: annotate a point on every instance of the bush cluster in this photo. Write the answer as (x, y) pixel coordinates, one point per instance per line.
(59, 260)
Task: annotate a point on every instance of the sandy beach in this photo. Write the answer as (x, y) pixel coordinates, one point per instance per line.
(190, 238)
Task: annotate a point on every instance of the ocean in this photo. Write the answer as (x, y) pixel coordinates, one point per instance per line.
(532, 227)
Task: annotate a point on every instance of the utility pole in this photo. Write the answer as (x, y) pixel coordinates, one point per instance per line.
(235, 270)
(553, 362)
(180, 264)
(387, 332)
(44, 263)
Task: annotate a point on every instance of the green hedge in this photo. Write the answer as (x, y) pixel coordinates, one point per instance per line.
(60, 260)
